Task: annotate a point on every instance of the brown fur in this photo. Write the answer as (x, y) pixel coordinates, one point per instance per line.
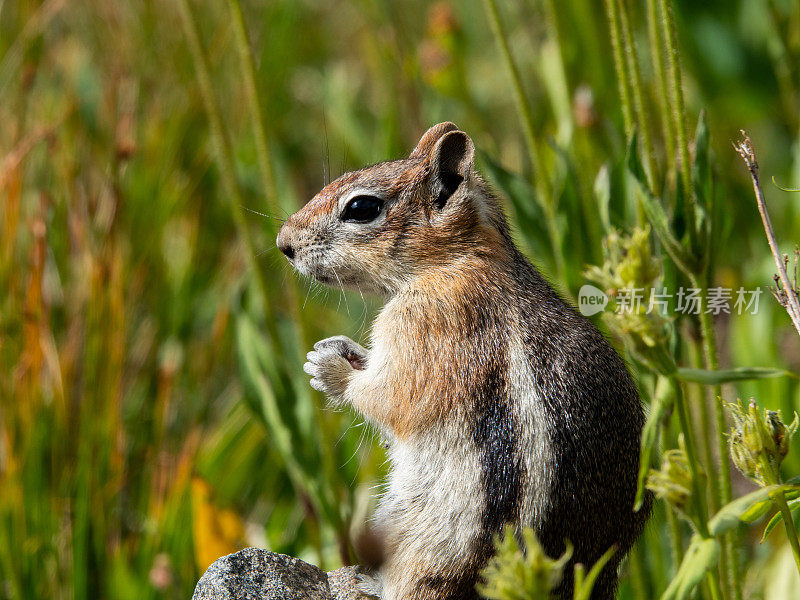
(501, 403)
(440, 322)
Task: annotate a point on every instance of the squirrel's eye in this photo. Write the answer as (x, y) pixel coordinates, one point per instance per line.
(362, 209)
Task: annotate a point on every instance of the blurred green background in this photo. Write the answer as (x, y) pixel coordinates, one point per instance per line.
(153, 410)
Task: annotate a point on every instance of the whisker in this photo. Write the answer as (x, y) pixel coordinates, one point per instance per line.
(355, 452)
(341, 287)
(344, 433)
(364, 302)
(308, 291)
(327, 146)
(255, 212)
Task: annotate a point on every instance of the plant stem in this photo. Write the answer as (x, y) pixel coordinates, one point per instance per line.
(228, 176)
(562, 110)
(657, 56)
(526, 116)
(676, 536)
(791, 531)
(637, 573)
(271, 190)
(635, 83)
(792, 305)
(262, 153)
(713, 585)
(620, 65)
(712, 363)
(704, 425)
(723, 492)
(679, 117)
(223, 147)
(698, 497)
(259, 133)
(709, 343)
(525, 112)
(621, 47)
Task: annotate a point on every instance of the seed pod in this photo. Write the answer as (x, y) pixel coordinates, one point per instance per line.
(759, 441)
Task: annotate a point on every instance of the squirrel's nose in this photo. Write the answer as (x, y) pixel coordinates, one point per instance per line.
(287, 250)
(284, 243)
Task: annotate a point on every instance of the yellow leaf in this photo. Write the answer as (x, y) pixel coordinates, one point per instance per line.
(217, 531)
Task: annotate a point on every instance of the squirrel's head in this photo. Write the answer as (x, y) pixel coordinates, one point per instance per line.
(377, 228)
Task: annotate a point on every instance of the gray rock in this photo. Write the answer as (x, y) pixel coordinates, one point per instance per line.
(253, 574)
(343, 583)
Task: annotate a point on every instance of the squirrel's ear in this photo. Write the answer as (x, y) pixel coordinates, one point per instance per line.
(451, 162)
(427, 141)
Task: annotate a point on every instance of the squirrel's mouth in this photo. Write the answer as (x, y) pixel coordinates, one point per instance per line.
(316, 271)
(334, 278)
(307, 261)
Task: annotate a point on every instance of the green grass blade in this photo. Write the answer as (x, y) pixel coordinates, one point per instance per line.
(655, 213)
(708, 377)
(659, 409)
(730, 515)
(701, 556)
(777, 518)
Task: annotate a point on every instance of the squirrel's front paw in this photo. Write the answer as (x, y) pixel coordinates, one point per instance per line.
(332, 362)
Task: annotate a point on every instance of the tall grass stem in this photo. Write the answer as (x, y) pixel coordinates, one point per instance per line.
(636, 86)
(791, 530)
(259, 130)
(678, 110)
(657, 56)
(620, 65)
(223, 148)
(540, 181)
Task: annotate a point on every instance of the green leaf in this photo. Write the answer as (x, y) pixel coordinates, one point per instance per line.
(258, 373)
(729, 375)
(270, 394)
(756, 511)
(794, 507)
(528, 212)
(551, 68)
(792, 497)
(263, 379)
(576, 220)
(655, 213)
(659, 408)
(701, 174)
(701, 169)
(701, 556)
(584, 584)
(730, 515)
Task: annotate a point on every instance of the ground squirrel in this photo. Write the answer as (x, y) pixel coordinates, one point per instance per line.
(499, 402)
